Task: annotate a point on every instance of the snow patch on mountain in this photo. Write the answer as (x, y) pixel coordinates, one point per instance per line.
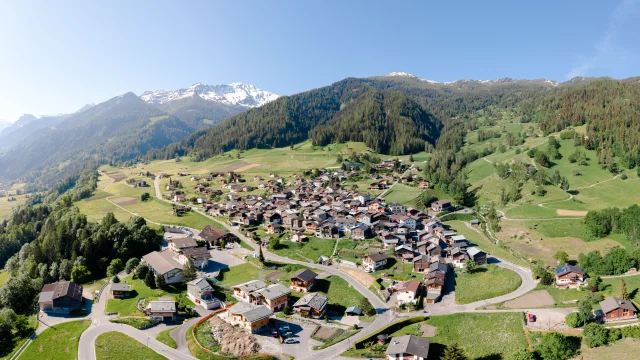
(407, 75)
(233, 94)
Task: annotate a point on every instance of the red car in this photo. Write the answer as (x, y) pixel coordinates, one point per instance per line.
(531, 318)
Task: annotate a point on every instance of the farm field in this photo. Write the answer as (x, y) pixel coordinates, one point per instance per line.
(126, 348)
(485, 336)
(139, 290)
(402, 194)
(487, 282)
(59, 342)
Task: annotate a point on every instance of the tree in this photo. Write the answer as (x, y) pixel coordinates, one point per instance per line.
(115, 267)
(65, 269)
(494, 219)
(623, 290)
(141, 271)
(454, 352)
(131, 265)
(522, 354)
(149, 280)
(144, 197)
(80, 274)
(561, 256)
(564, 184)
(585, 312)
(366, 307)
(261, 256)
(595, 283)
(339, 159)
(189, 271)
(595, 335)
(7, 319)
(411, 157)
(287, 310)
(115, 279)
(159, 280)
(470, 266)
(555, 346)
(572, 320)
(18, 294)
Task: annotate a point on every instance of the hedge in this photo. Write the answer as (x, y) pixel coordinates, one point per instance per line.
(389, 329)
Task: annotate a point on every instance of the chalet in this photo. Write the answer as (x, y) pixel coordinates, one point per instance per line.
(201, 293)
(140, 184)
(274, 297)
(165, 264)
(408, 347)
(569, 276)
(423, 184)
(353, 311)
(421, 265)
(374, 262)
(360, 232)
(163, 309)
(312, 305)
(407, 291)
(274, 228)
(243, 291)
(120, 290)
(302, 280)
(212, 234)
(61, 297)
(404, 220)
(251, 317)
(397, 208)
(477, 255)
(441, 205)
(458, 257)
(615, 309)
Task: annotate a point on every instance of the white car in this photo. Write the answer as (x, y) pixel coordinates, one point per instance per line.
(290, 341)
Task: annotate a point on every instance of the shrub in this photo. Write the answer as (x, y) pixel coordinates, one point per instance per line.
(595, 335)
(573, 320)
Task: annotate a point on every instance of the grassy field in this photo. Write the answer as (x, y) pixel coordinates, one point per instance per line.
(488, 282)
(166, 339)
(4, 276)
(12, 345)
(127, 306)
(485, 336)
(625, 349)
(242, 273)
(59, 342)
(341, 295)
(136, 322)
(402, 194)
(309, 251)
(115, 346)
(6, 206)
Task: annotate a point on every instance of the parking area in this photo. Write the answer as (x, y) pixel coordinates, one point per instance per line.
(300, 332)
(221, 259)
(548, 319)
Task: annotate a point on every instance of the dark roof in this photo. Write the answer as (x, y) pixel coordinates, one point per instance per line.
(305, 275)
(61, 289)
(409, 344)
(565, 269)
(201, 283)
(612, 303)
(198, 252)
(120, 287)
(181, 243)
(378, 257)
(314, 300)
(211, 233)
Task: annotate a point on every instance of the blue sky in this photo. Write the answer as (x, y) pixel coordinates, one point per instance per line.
(55, 59)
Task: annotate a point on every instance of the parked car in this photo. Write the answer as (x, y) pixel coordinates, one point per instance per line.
(288, 334)
(274, 333)
(290, 341)
(284, 328)
(531, 317)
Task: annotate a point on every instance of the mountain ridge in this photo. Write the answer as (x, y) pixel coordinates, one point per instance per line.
(246, 95)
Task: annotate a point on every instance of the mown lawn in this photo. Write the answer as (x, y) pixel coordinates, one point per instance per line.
(484, 336)
(308, 251)
(242, 273)
(165, 338)
(127, 306)
(10, 346)
(341, 295)
(402, 194)
(116, 346)
(59, 342)
(489, 281)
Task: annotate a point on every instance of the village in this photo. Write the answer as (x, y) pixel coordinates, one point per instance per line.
(292, 314)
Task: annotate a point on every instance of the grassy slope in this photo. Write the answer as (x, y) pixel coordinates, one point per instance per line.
(115, 346)
(4, 276)
(480, 335)
(127, 306)
(488, 282)
(166, 339)
(402, 194)
(57, 343)
(6, 206)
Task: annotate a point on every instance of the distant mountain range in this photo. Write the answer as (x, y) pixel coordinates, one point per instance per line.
(118, 129)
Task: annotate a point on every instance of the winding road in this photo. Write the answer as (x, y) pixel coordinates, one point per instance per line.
(385, 315)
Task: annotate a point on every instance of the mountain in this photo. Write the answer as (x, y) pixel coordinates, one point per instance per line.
(26, 126)
(235, 94)
(3, 125)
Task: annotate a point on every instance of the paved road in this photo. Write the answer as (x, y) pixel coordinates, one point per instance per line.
(157, 187)
(179, 334)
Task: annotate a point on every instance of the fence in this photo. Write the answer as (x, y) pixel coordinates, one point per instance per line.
(97, 298)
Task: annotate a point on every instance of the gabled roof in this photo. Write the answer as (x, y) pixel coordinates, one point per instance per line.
(120, 287)
(162, 261)
(61, 289)
(473, 251)
(251, 312)
(182, 243)
(409, 344)
(565, 269)
(163, 305)
(305, 275)
(274, 291)
(377, 257)
(314, 300)
(197, 253)
(201, 283)
(211, 233)
(251, 286)
(612, 303)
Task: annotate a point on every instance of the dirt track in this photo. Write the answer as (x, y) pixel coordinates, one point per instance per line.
(563, 212)
(363, 278)
(535, 299)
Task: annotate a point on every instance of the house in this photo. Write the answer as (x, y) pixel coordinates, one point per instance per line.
(569, 276)
(60, 297)
(441, 205)
(201, 293)
(407, 291)
(165, 264)
(251, 317)
(312, 305)
(615, 309)
(360, 232)
(274, 296)
(212, 234)
(408, 347)
(477, 255)
(374, 262)
(302, 280)
(353, 311)
(120, 290)
(421, 265)
(163, 309)
(243, 291)
(187, 248)
(397, 208)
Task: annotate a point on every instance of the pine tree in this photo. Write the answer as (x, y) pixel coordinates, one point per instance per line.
(623, 290)
(189, 271)
(411, 157)
(149, 280)
(454, 352)
(261, 256)
(159, 281)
